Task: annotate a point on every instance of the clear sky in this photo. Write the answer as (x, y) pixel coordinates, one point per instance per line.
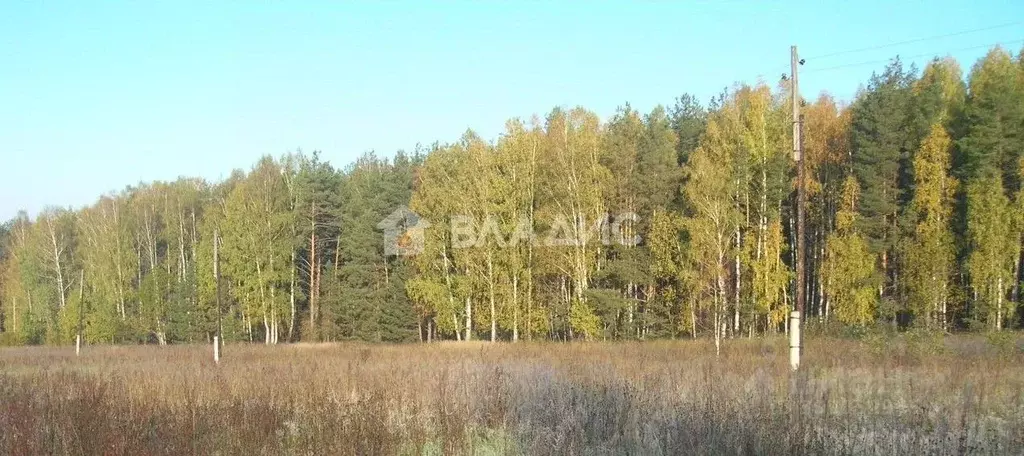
(95, 96)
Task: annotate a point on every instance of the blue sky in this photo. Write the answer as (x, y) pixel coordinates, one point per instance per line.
(95, 96)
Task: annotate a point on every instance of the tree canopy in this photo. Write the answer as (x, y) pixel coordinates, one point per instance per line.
(676, 221)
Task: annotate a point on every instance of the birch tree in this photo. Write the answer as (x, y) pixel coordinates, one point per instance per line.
(848, 270)
(257, 247)
(931, 252)
(993, 249)
(712, 216)
(572, 211)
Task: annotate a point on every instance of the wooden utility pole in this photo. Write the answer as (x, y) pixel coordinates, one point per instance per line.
(216, 277)
(795, 339)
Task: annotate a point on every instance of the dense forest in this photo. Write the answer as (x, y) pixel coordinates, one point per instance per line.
(915, 219)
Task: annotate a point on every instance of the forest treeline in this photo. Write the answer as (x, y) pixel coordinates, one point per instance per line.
(915, 219)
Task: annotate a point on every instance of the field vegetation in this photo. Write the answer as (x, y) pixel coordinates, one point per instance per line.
(911, 393)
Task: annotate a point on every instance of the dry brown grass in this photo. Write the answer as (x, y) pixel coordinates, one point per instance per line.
(959, 395)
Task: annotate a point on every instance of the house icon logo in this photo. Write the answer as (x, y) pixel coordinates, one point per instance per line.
(403, 232)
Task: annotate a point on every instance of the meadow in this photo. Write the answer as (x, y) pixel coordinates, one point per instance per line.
(914, 393)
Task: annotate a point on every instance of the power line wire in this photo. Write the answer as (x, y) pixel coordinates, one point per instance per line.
(927, 54)
(916, 40)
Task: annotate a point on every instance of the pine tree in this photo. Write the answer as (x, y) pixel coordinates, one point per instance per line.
(689, 120)
(881, 139)
(667, 264)
(355, 307)
(316, 205)
(619, 282)
(995, 120)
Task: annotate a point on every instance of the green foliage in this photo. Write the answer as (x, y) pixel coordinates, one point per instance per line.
(939, 97)
(929, 257)
(881, 141)
(993, 142)
(671, 311)
(712, 214)
(672, 222)
(1004, 342)
(994, 248)
(689, 119)
(583, 320)
(849, 268)
(924, 343)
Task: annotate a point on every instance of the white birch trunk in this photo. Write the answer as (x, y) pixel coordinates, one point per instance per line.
(469, 319)
(490, 292)
(999, 305)
(736, 303)
(515, 308)
(291, 299)
(58, 249)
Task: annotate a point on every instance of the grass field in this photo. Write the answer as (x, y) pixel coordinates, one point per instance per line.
(912, 394)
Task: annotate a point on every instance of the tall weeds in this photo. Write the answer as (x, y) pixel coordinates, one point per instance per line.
(954, 396)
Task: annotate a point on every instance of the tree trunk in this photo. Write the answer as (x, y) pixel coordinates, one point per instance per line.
(181, 247)
(314, 304)
(120, 271)
(58, 268)
(266, 329)
(490, 292)
(944, 300)
(263, 302)
(736, 297)
(720, 295)
(291, 299)
(515, 308)
(273, 309)
(718, 326)
(693, 322)
(1016, 277)
(819, 257)
(999, 305)
(469, 320)
(451, 296)
(120, 289)
(81, 311)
